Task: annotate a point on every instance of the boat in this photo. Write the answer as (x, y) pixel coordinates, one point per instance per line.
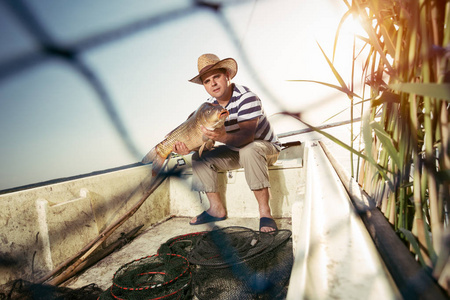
(81, 231)
(334, 256)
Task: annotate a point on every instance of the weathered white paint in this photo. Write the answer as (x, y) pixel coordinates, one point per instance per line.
(41, 208)
(335, 257)
(83, 194)
(42, 227)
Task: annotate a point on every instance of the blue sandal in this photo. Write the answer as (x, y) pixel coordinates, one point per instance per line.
(267, 222)
(204, 218)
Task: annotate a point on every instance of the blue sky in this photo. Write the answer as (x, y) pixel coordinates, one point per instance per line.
(53, 124)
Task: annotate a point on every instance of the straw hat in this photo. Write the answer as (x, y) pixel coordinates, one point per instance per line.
(209, 62)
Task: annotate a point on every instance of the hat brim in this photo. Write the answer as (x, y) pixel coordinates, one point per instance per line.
(228, 63)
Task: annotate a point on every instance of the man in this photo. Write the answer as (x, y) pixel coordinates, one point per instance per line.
(248, 139)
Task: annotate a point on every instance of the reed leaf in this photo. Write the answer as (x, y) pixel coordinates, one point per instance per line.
(366, 23)
(412, 240)
(387, 142)
(341, 22)
(367, 135)
(388, 32)
(364, 39)
(345, 146)
(385, 97)
(339, 88)
(439, 91)
(335, 115)
(344, 87)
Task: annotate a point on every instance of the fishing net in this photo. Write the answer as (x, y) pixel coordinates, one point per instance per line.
(230, 245)
(25, 290)
(160, 276)
(224, 263)
(181, 245)
(239, 263)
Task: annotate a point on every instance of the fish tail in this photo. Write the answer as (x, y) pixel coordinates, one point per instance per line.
(150, 156)
(156, 160)
(157, 165)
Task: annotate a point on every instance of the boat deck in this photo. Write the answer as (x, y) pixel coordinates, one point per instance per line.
(334, 256)
(148, 242)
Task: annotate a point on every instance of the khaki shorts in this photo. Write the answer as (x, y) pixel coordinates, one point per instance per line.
(254, 158)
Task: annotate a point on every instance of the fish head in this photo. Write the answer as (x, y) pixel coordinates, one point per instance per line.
(212, 115)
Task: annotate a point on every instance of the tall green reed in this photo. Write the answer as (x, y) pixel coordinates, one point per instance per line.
(405, 161)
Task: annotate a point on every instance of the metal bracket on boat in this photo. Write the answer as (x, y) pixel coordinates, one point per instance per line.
(290, 144)
(231, 176)
(181, 162)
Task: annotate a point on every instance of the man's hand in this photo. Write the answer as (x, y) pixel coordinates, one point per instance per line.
(217, 134)
(245, 134)
(180, 148)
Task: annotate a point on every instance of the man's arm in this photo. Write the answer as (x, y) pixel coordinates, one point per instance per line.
(242, 137)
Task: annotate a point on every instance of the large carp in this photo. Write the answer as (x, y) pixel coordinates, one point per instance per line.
(189, 132)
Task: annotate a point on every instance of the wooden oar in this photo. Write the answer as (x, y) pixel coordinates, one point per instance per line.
(97, 256)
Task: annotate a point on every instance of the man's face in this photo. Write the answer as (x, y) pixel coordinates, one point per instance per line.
(217, 84)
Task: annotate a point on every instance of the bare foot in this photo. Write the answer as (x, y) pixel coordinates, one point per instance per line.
(267, 229)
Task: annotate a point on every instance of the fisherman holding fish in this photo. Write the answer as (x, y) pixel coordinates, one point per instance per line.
(248, 138)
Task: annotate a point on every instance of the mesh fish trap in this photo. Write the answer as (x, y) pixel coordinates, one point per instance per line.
(182, 244)
(165, 276)
(232, 245)
(225, 263)
(26, 290)
(239, 263)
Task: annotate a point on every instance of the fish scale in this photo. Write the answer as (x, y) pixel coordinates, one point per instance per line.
(189, 132)
(185, 133)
